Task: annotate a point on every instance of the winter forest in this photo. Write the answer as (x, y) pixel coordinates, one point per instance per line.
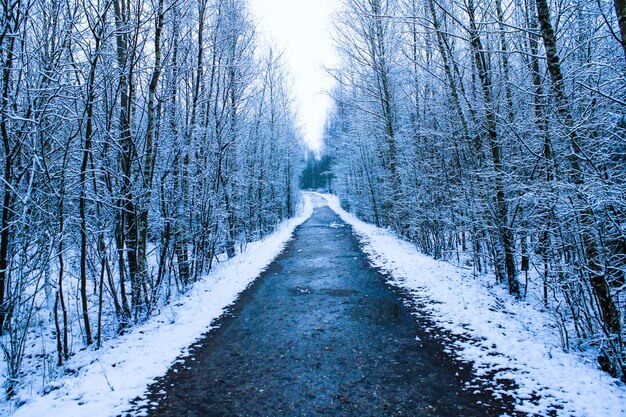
(147, 143)
(493, 133)
(141, 141)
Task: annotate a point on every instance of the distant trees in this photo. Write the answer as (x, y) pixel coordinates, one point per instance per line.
(493, 133)
(141, 141)
(317, 174)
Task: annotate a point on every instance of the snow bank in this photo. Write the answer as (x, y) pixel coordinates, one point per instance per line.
(509, 339)
(102, 383)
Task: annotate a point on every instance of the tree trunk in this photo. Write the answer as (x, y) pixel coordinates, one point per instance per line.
(128, 208)
(11, 152)
(594, 268)
(505, 61)
(398, 215)
(505, 239)
(83, 183)
(620, 9)
(148, 168)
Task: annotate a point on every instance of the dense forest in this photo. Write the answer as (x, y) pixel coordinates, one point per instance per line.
(493, 133)
(142, 142)
(317, 174)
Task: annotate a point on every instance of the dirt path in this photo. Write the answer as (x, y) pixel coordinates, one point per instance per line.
(320, 333)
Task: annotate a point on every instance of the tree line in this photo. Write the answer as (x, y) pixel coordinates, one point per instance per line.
(142, 142)
(494, 133)
(317, 173)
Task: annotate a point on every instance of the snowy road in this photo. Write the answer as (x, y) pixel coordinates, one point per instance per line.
(320, 333)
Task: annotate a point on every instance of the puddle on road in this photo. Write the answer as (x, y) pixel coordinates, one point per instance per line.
(275, 268)
(339, 292)
(333, 292)
(378, 309)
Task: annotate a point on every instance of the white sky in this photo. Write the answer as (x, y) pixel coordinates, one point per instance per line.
(302, 29)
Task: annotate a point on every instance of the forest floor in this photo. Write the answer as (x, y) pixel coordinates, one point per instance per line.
(321, 333)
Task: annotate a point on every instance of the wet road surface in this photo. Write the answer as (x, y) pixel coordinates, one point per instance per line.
(320, 333)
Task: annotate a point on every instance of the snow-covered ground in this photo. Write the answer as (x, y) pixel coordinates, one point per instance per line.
(509, 340)
(104, 382)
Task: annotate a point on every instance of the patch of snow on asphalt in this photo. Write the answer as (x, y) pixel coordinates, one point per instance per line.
(102, 383)
(509, 340)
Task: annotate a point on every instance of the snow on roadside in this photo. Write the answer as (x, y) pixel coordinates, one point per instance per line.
(102, 383)
(509, 339)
